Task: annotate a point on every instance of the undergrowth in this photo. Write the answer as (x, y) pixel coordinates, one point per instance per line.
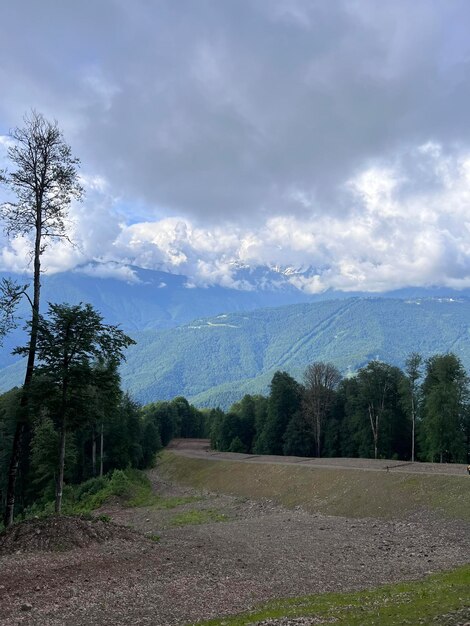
(130, 487)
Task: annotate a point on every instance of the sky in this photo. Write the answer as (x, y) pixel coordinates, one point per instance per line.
(326, 139)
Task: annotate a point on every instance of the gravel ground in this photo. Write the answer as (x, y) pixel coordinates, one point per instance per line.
(261, 551)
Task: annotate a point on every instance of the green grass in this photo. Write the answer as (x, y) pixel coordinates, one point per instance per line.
(331, 491)
(429, 601)
(201, 516)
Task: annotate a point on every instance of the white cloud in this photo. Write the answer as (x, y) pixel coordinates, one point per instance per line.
(395, 234)
(15, 255)
(110, 270)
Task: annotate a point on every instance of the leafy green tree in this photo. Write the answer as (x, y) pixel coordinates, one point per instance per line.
(189, 421)
(215, 419)
(349, 412)
(9, 402)
(44, 181)
(246, 410)
(283, 403)
(69, 343)
(103, 403)
(123, 435)
(445, 408)
(165, 417)
(45, 454)
(378, 421)
(336, 427)
(230, 428)
(237, 445)
(151, 443)
(10, 295)
(298, 438)
(261, 415)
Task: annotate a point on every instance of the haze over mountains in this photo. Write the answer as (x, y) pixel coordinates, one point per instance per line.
(214, 344)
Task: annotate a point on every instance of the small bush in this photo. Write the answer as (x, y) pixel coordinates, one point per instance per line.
(90, 487)
(120, 485)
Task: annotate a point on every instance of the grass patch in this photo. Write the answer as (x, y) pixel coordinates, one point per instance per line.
(430, 601)
(200, 516)
(331, 491)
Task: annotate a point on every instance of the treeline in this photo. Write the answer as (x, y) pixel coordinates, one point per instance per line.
(421, 413)
(110, 431)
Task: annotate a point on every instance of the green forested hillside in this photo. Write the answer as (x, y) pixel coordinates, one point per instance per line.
(217, 360)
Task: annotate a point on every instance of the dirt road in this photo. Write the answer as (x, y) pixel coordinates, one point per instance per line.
(200, 448)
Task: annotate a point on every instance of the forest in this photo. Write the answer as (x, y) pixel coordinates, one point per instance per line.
(421, 413)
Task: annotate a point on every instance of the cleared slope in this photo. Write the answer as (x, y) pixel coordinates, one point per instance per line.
(350, 492)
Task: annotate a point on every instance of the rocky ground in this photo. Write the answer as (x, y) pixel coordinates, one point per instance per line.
(173, 572)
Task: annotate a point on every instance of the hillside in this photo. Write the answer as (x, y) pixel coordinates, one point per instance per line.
(217, 360)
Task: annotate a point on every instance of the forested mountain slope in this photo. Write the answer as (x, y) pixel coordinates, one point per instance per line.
(216, 360)
(148, 300)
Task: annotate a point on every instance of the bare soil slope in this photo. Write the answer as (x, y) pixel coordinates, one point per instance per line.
(214, 554)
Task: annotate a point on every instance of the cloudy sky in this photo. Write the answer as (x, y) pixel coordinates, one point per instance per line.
(331, 137)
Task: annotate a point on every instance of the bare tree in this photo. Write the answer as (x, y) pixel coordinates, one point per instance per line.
(320, 382)
(44, 182)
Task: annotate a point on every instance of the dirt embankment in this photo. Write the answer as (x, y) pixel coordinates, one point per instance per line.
(184, 566)
(348, 487)
(200, 449)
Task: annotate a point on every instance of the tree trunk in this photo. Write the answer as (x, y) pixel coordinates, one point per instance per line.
(93, 452)
(101, 450)
(413, 420)
(374, 425)
(60, 479)
(22, 415)
(318, 436)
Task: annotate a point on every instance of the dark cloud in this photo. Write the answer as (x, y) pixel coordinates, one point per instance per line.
(239, 109)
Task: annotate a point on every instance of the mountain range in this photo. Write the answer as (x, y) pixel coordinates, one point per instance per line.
(215, 344)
